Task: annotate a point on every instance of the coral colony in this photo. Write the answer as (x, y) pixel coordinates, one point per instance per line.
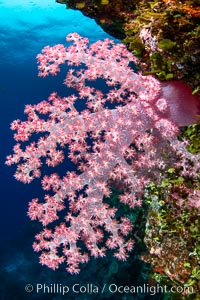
(124, 135)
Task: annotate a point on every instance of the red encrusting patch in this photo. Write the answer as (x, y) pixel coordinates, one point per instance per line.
(184, 107)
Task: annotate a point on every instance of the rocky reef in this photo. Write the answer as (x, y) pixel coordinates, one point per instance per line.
(164, 34)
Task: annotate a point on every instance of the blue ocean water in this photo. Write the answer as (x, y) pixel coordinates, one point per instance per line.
(25, 28)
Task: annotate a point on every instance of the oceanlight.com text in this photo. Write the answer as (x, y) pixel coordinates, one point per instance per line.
(90, 288)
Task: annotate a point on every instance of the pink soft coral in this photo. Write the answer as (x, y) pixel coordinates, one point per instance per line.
(124, 135)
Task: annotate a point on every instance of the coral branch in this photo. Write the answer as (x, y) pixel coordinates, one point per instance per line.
(123, 135)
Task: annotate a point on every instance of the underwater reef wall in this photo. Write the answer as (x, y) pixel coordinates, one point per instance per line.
(164, 34)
